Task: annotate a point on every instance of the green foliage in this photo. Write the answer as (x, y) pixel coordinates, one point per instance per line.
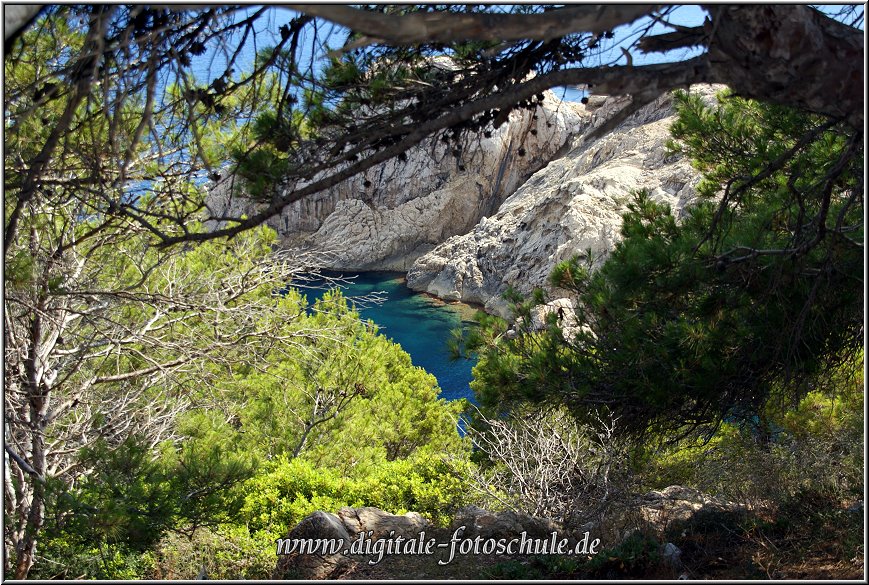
(472, 51)
(367, 426)
(384, 439)
(431, 483)
(671, 332)
(260, 151)
(817, 520)
(535, 567)
(69, 558)
(228, 551)
(278, 499)
(30, 85)
(262, 168)
(395, 446)
(636, 556)
(106, 526)
(280, 496)
(342, 73)
(815, 446)
(796, 537)
(347, 401)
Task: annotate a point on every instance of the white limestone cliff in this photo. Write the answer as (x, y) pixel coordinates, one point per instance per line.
(411, 206)
(573, 204)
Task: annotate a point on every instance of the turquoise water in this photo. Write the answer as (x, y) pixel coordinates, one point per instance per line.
(420, 324)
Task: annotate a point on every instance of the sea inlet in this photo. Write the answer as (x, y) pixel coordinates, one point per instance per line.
(420, 324)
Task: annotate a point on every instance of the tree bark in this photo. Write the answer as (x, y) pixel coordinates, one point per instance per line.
(788, 55)
(440, 27)
(16, 19)
(38, 394)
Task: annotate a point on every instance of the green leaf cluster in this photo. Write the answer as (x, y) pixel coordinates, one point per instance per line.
(752, 297)
(290, 489)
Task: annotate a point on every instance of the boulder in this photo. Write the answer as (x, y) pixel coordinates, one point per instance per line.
(507, 524)
(593, 102)
(659, 508)
(345, 527)
(381, 523)
(672, 555)
(315, 565)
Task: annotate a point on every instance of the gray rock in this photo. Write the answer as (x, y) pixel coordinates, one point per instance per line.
(596, 101)
(659, 508)
(296, 565)
(381, 523)
(345, 527)
(572, 205)
(507, 524)
(672, 555)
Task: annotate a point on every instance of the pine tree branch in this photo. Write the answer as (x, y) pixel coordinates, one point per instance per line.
(434, 27)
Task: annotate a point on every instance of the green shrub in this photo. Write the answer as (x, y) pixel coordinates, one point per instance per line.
(816, 446)
(636, 556)
(535, 567)
(68, 558)
(224, 552)
(278, 499)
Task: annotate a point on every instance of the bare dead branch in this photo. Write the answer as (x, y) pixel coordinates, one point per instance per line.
(23, 464)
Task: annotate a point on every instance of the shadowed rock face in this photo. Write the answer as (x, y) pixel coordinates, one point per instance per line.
(374, 524)
(318, 525)
(573, 204)
(387, 217)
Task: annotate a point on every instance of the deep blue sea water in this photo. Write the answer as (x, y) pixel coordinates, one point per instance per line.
(420, 324)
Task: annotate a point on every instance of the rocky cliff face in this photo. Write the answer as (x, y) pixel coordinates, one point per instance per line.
(573, 204)
(411, 206)
(504, 211)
